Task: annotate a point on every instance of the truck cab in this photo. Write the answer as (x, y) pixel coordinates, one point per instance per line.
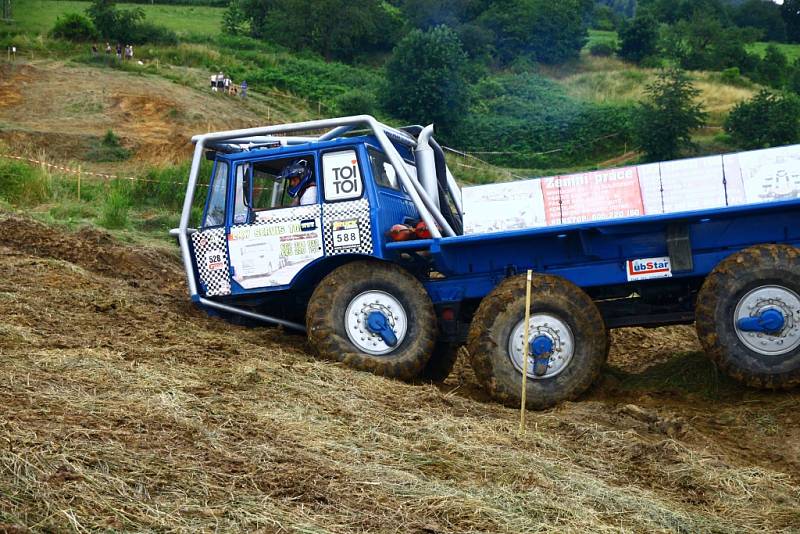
(256, 242)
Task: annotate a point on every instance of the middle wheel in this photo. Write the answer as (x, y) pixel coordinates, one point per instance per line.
(374, 317)
(565, 327)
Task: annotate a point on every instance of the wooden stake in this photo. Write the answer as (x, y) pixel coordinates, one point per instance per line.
(525, 349)
(79, 183)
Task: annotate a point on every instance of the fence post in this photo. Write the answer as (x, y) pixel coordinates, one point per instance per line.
(525, 349)
(79, 183)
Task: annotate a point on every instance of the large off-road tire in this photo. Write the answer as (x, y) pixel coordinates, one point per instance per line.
(441, 363)
(746, 283)
(559, 310)
(351, 291)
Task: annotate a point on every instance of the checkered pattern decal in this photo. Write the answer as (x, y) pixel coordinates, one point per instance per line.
(211, 256)
(357, 210)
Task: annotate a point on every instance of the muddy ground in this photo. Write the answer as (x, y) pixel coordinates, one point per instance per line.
(125, 408)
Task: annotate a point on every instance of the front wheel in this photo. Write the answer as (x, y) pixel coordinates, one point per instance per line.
(563, 319)
(373, 317)
(748, 316)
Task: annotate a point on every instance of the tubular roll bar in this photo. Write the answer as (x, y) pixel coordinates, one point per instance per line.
(427, 210)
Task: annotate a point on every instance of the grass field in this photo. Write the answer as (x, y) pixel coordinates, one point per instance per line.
(39, 16)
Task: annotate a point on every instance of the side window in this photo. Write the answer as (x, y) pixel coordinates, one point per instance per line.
(383, 170)
(275, 183)
(215, 211)
(342, 175)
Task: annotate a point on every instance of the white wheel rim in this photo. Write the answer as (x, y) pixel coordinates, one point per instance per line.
(542, 324)
(356, 321)
(772, 297)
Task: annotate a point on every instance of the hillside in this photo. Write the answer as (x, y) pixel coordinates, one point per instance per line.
(41, 110)
(127, 409)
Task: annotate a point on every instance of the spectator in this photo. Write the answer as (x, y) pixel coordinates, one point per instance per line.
(119, 51)
(108, 49)
(243, 93)
(94, 49)
(213, 79)
(227, 85)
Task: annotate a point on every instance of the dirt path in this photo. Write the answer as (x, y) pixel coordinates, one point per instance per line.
(126, 408)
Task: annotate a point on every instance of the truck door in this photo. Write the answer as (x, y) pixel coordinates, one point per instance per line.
(275, 221)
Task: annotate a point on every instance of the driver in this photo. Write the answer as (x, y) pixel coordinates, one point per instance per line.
(301, 186)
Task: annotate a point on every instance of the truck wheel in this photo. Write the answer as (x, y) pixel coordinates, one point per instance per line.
(748, 316)
(373, 317)
(441, 362)
(562, 315)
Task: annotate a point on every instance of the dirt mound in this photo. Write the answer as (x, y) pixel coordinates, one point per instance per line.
(125, 408)
(95, 251)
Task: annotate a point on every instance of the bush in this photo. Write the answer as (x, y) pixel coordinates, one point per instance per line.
(147, 32)
(768, 119)
(74, 27)
(602, 50)
(108, 148)
(355, 102)
(732, 76)
(22, 184)
(114, 214)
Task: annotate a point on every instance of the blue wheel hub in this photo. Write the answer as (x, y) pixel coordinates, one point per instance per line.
(377, 323)
(769, 321)
(541, 347)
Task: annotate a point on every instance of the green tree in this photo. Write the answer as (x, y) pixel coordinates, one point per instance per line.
(426, 79)
(766, 120)
(772, 70)
(113, 23)
(765, 16)
(234, 20)
(546, 31)
(790, 11)
(337, 29)
(703, 42)
(664, 122)
(638, 39)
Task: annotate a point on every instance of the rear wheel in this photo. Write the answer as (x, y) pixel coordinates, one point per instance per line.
(562, 317)
(748, 316)
(373, 317)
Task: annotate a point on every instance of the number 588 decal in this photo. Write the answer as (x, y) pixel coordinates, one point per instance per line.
(345, 234)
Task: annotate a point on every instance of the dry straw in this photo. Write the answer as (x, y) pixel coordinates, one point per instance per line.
(126, 409)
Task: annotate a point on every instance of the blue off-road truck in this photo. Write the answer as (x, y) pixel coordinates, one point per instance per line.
(356, 233)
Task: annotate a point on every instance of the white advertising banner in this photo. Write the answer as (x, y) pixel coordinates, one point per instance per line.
(692, 184)
(503, 206)
(656, 188)
(650, 185)
(765, 175)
